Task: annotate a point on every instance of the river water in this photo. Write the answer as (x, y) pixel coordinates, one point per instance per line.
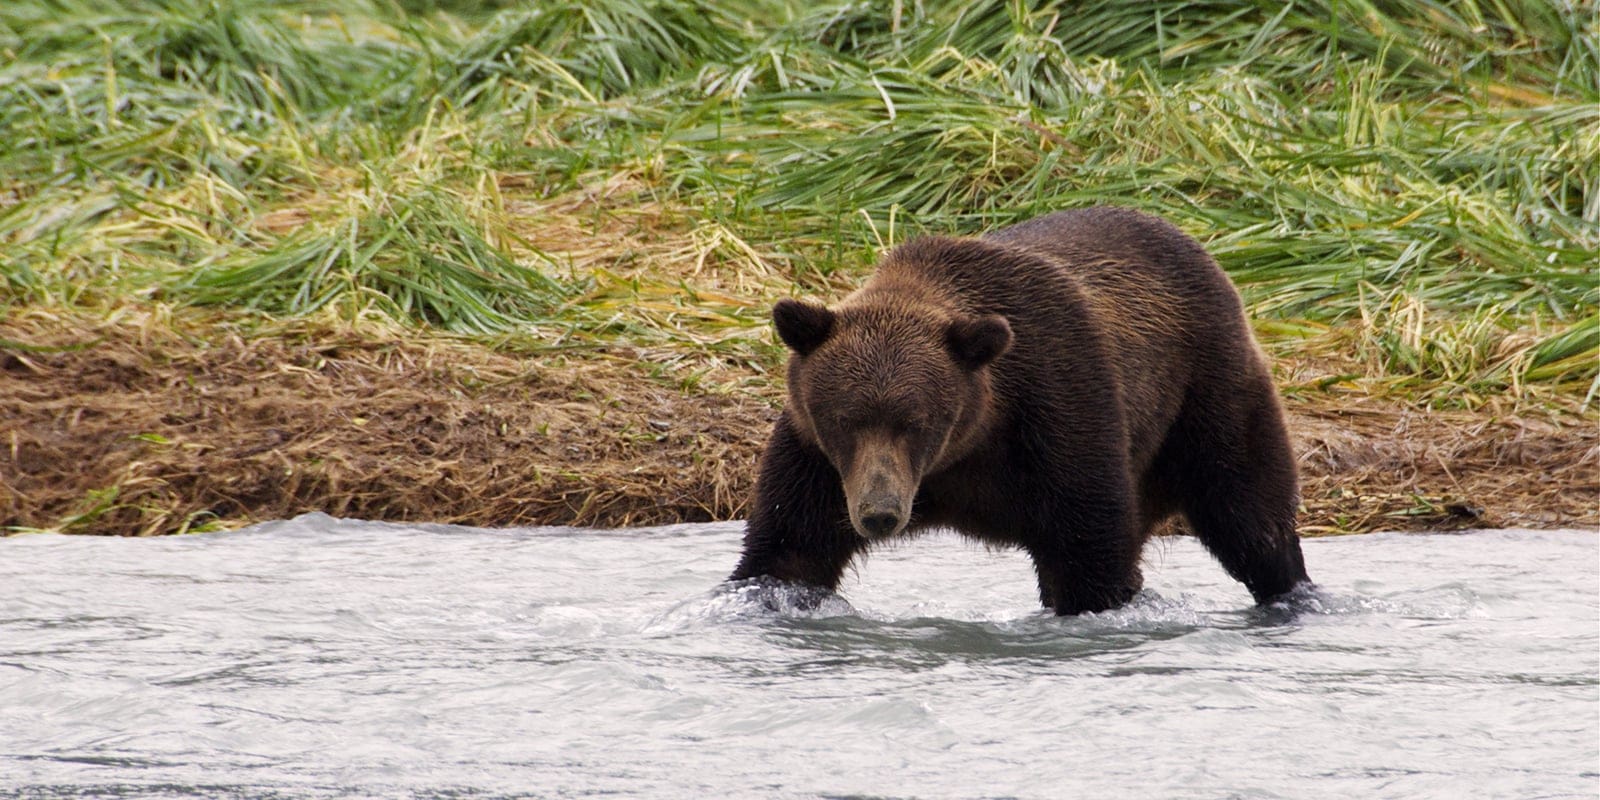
(322, 658)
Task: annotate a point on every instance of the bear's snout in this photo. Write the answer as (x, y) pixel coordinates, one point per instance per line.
(879, 487)
(879, 520)
(880, 514)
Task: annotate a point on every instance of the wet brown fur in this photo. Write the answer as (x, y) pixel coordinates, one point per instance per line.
(1063, 385)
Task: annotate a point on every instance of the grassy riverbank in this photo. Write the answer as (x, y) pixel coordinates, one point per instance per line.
(579, 213)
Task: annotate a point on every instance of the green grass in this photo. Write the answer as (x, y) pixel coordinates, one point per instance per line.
(1419, 181)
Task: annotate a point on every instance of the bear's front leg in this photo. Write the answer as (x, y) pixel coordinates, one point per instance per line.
(799, 529)
(1088, 558)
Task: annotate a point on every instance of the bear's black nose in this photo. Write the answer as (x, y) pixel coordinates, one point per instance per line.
(880, 523)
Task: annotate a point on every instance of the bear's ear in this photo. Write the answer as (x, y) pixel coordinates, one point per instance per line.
(802, 326)
(976, 341)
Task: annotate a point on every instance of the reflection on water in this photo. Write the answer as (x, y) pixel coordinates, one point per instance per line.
(325, 658)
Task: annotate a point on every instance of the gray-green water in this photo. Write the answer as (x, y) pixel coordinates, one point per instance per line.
(324, 658)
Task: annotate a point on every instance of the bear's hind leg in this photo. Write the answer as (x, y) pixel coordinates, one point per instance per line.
(1239, 492)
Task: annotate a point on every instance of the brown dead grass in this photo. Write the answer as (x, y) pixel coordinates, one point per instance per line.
(1370, 465)
(147, 430)
(150, 425)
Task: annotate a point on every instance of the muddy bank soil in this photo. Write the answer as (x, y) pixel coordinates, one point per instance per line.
(139, 428)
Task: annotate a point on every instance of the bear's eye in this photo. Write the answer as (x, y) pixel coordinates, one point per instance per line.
(842, 420)
(911, 426)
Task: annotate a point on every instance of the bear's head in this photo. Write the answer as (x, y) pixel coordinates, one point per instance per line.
(890, 392)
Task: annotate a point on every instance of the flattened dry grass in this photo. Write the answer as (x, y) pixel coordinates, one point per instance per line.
(148, 425)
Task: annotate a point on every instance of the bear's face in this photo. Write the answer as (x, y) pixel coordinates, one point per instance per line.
(889, 394)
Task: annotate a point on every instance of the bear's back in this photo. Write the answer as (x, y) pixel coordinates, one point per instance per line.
(1130, 256)
(1151, 294)
(1141, 276)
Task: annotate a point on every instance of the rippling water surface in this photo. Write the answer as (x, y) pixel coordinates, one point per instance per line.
(327, 658)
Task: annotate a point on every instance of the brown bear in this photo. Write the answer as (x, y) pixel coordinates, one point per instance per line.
(1062, 385)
